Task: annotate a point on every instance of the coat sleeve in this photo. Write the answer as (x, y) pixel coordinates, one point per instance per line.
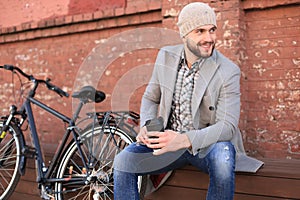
(157, 98)
(227, 114)
(152, 95)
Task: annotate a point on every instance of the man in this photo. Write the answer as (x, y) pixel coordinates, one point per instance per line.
(197, 92)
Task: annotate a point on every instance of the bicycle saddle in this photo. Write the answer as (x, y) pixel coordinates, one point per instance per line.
(90, 93)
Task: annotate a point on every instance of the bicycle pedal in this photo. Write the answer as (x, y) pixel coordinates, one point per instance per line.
(29, 152)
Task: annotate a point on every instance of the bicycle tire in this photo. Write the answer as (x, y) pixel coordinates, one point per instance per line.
(101, 168)
(10, 151)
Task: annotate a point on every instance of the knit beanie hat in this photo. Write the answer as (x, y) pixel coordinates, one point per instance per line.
(195, 15)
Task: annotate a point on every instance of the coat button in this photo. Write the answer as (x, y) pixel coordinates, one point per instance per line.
(211, 108)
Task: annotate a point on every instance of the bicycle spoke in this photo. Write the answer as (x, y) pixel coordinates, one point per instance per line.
(9, 162)
(7, 144)
(99, 148)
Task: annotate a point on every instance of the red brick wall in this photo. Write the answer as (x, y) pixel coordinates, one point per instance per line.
(16, 12)
(273, 77)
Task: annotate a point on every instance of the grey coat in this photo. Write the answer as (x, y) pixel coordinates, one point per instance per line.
(215, 102)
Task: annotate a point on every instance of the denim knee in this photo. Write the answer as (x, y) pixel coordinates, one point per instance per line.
(222, 160)
(127, 159)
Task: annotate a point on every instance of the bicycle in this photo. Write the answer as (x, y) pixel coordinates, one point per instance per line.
(83, 163)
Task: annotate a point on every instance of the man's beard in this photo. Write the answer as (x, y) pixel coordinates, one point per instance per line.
(195, 48)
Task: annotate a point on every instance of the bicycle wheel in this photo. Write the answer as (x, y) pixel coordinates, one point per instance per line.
(99, 147)
(10, 151)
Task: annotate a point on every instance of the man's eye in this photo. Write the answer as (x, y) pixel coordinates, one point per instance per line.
(213, 30)
(200, 30)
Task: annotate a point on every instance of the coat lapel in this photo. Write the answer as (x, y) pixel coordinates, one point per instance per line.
(170, 70)
(207, 71)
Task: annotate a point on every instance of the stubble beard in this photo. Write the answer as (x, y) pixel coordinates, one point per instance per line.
(201, 50)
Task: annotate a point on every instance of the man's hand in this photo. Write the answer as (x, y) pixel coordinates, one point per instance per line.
(142, 137)
(166, 141)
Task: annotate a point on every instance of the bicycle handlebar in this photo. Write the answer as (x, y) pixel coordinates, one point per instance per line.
(49, 85)
(55, 88)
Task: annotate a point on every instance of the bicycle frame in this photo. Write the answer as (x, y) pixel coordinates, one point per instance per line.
(44, 173)
(74, 164)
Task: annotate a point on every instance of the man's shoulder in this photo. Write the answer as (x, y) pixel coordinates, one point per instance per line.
(173, 49)
(224, 61)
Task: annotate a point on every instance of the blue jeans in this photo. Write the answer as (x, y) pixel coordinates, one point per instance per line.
(135, 160)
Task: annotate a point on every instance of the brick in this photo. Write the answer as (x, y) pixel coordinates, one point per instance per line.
(34, 25)
(122, 21)
(34, 34)
(130, 10)
(119, 11)
(267, 4)
(22, 36)
(55, 31)
(108, 12)
(11, 29)
(155, 5)
(19, 28)
(60, 20)
(37, 33)
(78, 18)
(111, 23)
(68, 19)
(102, 24)
(98, 14)
(134, 19)
(11, 38)
(88, 16)
(42, 24)
(91, 26)
(141, 6)
(50, 22)
(44, 33)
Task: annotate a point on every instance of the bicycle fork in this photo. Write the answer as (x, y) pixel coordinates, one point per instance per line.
(5, 127)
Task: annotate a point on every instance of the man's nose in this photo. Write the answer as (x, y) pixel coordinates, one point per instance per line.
(207, 36)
